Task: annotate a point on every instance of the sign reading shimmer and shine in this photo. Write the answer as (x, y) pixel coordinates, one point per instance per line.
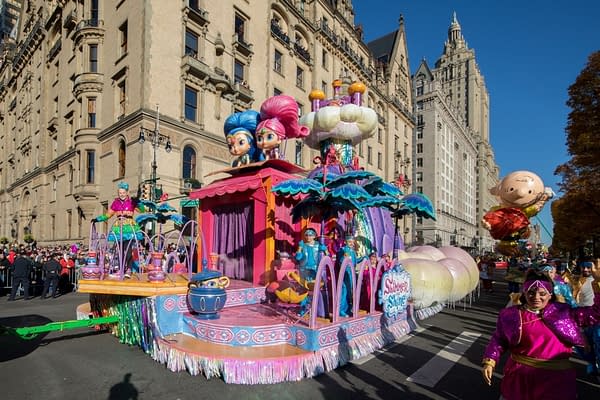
(395, 291)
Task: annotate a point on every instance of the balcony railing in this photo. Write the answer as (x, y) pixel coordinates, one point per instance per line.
(241, 46)
(302, 52)
(279, 34)
(195, 13)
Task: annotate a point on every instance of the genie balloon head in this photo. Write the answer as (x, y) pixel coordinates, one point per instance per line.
(519, 189)
(239, 133)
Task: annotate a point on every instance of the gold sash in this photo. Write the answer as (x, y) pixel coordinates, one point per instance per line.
(555, 365)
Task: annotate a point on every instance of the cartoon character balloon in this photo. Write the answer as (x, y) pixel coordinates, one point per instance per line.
(239, 133)
(521, 195)
(279, 121)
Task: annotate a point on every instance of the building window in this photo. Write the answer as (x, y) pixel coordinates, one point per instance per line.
(189, 163)
(420, 120)
(191, 103)
(94, 12)
(54, 187)
(91, 112)
(298, 152)
(122, 97)
(324, 60)
(300, 77)
(238, 73)
(419, 189)
(277, 61)
(419, 162)
(419, 90)
(90, 166)
(380, 135)
(122, 158)
(379, 160)
(419, 133)
(324, 87)
(419, 105)
(93, 57)
(360, 149)
(369, 154)
(419, 176)
(191, 44)
(240, 28)
(123, 38)
(419, 148)
(300, 109)
(276, 92)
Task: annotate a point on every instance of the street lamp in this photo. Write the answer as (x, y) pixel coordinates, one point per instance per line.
(156, 139)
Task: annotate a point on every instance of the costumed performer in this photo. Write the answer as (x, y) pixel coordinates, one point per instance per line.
(239, 133)
(125, 230)
(539, 334)
(308, 257)
(347, 289)
(279, 121)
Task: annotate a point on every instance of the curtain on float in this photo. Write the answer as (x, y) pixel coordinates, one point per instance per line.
(233, 240)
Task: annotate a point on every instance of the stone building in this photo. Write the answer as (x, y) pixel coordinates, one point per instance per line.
(85, 78)
(455, 162)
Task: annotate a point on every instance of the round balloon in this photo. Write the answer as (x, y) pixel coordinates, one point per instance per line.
(466, 259)
(430, 281)
(461, 278)
(431, 251)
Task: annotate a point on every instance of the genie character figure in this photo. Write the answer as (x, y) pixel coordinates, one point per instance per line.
(279, 121)
(239, 133)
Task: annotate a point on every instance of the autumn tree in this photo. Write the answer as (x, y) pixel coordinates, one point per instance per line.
(577, 214)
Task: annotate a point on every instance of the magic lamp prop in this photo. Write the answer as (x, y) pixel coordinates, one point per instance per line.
(521, 195)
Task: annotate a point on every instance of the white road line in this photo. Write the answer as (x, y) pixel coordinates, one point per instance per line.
(369, 357)
(435, 369)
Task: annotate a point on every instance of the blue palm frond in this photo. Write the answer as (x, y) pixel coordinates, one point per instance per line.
(165, 207)
(179, 219)
(348, 191)
(377, 187)
(324, 208)
(380, 201)
(143, 218)
(293, 187)
(148, 204)
(350, 177)
(419, 204)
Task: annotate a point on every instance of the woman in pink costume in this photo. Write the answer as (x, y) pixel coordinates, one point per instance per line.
(539, 334)
(279, 121)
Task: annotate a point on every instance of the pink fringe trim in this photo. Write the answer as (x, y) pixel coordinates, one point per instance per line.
(275, 370)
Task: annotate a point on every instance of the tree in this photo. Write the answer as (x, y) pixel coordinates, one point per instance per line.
(577, 214)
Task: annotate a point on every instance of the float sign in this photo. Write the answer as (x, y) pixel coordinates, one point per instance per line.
(395, 291)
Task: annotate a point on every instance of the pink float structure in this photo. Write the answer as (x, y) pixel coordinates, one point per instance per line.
(276, 326)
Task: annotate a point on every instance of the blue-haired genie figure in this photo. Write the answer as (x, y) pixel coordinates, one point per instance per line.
(125, 228)
(239, 133)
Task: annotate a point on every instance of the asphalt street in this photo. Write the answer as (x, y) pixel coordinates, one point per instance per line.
(439, 361)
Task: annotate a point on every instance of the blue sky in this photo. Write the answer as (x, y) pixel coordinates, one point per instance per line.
(529, 53)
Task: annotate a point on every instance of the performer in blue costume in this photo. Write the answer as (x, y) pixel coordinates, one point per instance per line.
(308, 257)
(348, 250)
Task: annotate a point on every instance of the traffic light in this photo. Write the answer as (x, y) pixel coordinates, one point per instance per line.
(146, 190)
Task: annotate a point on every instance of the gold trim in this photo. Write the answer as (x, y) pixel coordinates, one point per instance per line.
(554, 365)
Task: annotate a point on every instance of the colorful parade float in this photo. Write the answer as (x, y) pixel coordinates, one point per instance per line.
(287, 273)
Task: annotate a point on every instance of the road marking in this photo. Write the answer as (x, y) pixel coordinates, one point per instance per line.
(435, 369)
(369, 357)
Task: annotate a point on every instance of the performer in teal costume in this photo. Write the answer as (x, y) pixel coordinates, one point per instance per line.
(348, 250)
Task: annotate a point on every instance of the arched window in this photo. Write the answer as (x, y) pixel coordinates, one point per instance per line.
(189, 162)
(122, 158)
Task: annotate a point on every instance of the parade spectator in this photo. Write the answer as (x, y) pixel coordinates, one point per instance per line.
(21, 269)
(51, 268)
(539, 334)
(67, 265)
(4, 268)
(486, 273)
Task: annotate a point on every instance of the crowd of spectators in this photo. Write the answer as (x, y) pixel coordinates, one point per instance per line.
(33, 269)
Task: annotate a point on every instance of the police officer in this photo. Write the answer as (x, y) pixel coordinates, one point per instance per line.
(52, 270)
(21, 269)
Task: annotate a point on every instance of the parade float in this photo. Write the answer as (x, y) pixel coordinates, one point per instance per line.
(287, 273)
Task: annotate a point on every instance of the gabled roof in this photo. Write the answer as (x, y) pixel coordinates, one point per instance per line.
(382, 47)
